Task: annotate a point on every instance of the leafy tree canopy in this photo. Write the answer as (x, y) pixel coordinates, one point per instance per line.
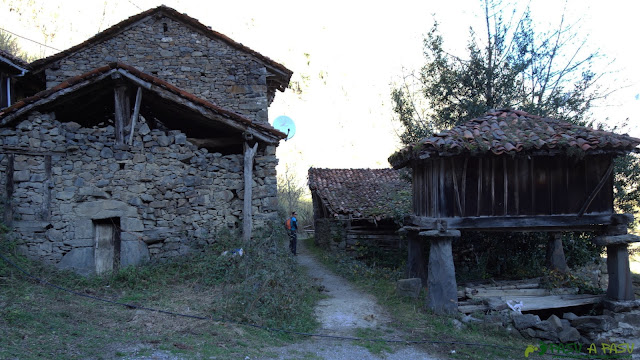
(512, 65)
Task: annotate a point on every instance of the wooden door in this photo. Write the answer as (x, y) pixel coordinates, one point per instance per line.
(104, 247)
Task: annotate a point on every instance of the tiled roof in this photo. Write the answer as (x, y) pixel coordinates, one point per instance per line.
(65, 86)
(12, 60)
(513, 132)
(184, 18)
(362, 193)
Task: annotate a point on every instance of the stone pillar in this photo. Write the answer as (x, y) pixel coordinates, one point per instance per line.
(442, 291)
(555, 253)
(620, 285)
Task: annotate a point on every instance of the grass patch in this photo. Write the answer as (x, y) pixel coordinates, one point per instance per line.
(412, 317)
(263, 287)
(375, 347)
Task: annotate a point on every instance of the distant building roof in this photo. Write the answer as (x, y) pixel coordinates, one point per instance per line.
(512, 132)
(362, 193)
(283, 73)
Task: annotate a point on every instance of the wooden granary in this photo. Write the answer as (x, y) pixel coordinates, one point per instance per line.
(513, 171)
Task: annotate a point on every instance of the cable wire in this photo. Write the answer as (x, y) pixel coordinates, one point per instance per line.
(26, 38)
(198, 317)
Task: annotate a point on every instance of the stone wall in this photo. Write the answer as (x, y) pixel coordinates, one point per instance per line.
(209, 69)
(167, 196)
(330, 234)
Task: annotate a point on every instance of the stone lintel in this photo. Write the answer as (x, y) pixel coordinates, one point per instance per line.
(436, 233)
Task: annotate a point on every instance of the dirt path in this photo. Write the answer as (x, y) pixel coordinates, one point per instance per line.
(344, 311)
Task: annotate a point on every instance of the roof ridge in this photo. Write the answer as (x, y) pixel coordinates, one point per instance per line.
(183, 17)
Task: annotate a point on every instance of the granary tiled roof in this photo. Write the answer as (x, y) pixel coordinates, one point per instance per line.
(362, 193)
(513, 132)
(150, 83)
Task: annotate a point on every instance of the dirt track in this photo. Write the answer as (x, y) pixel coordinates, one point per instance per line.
(344, 311)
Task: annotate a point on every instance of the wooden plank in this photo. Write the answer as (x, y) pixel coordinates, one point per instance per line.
(464, 186)
(596, 190)
(479, 200)
(493, 186)
(505, 183)
(490, 292)
(516, 192)
(533, 186)
(136, 113)
(455, 188)
(247, 218)
(121, 113)
(556, 301)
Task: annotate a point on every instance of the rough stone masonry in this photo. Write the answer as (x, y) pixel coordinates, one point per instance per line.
(163, 194)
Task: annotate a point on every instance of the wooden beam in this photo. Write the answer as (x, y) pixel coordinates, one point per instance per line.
(479, 200)
(121, 113)
(464, 185)
(136, 112)
(215, 142)
(493, 186)
(247, 222)
(596, 190)
(455, 187)
(505, 183)
(517, 223)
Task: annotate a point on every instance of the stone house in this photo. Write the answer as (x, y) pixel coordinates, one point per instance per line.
(147, 140)
(353, 207)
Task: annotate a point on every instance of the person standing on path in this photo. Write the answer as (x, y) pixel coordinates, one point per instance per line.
(293, 236)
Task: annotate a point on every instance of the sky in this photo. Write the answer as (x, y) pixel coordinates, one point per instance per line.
(346, 55)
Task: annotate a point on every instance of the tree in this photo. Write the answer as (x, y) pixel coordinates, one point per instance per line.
(9, 44)
(513, 66)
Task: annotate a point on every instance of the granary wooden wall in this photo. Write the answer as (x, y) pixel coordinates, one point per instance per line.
(464, 186)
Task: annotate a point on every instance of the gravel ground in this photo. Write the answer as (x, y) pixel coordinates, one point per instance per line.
(345, 310)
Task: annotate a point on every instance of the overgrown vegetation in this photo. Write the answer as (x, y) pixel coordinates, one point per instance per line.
(480, 256)
(263, 287)
(412, 316)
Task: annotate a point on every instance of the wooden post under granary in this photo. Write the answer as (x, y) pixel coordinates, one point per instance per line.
(513, 171)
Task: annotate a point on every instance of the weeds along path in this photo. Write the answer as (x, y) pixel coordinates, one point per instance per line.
(346, 312)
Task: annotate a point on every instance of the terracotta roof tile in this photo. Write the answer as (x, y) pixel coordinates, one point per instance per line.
(148, 78)
(509, 131)
(12, 60)
(362, 193)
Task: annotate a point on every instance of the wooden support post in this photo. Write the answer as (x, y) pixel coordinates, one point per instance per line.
(555, 253)
(136, 112)
(121, 112)
(442, 292)
(247, 221)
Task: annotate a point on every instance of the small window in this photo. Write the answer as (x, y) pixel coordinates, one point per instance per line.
(165, 27)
